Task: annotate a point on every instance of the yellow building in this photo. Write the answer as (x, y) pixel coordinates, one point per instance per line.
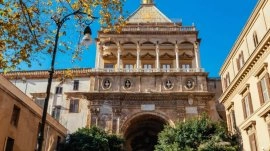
(20, 118)
(245, 81)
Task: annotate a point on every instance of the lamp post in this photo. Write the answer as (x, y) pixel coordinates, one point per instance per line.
(85, 41)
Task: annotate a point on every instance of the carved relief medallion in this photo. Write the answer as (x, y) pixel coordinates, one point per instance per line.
(127, 83)
(168, 84)
(189, 84)
(106, 84)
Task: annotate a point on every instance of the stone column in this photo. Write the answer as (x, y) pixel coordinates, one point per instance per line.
(176, 57)
(99, 54)
(118, 125)
(117, 113)
(157, 57)
(138, 56)
(197, 55)
(118, 56)
(96, 121)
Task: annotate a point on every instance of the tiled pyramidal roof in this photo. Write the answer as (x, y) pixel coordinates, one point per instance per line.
(148, 13)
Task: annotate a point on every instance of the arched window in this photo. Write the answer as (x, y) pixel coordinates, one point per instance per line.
(255, 39)
(240, 61)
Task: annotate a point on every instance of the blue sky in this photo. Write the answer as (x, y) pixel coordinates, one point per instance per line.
(219, 23)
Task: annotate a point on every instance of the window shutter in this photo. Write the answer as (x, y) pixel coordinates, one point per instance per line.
(259, 86)
(243, 59)
(267, 79)
(233, 120)
(76, 105)
(238, 63)
(252, 140)
(250, 103)
(244, 108)
(224, 83)
(71, 106)
(229, 78)
(229, 122)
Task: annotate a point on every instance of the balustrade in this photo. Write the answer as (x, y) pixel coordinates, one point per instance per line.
(164, 29)
(148, 70)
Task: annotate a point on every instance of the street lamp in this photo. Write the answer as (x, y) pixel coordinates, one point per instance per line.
(86, 41)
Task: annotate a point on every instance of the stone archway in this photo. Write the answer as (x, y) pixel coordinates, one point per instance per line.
(141, 132)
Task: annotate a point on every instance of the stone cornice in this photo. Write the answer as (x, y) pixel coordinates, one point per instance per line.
(87, 72)
(149, 73)
(168, 32)
(261, 51)
(40, 74)
(156, 96)
(249, 125)
(265, 112)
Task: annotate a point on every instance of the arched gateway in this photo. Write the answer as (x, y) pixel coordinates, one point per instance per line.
(141, 130)
(147, 76)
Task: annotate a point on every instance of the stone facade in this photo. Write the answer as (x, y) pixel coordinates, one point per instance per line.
(246, 84)
(146, 76)
(20, 118)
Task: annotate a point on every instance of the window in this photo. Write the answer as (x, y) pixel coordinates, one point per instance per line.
(247, 105)
(56, 112)
(74, 106)
(166, 67)
(240, 61)
(76, 85)
(40, 102)
(252, 141)
(185, 66)
(128, 67)
(9, 144)
(227, 80)
(255, 39)
(264, 88)
(250, 129)
(58, 90)
(231, 121)
(108, 65)
(147, 67)
(15, 116)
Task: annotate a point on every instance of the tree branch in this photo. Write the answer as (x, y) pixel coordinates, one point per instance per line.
(28, 21)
